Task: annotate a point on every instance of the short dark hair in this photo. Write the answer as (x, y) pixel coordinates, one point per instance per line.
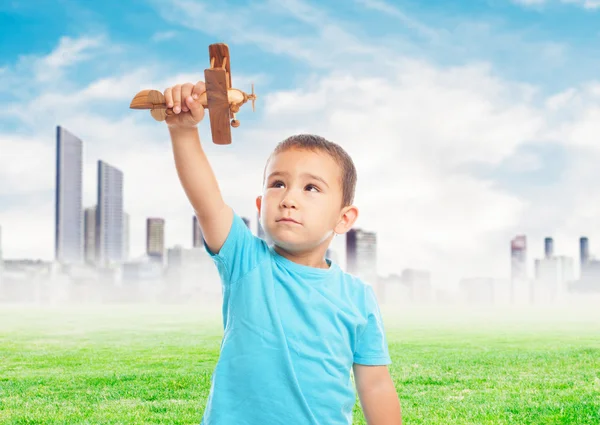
(320, 144)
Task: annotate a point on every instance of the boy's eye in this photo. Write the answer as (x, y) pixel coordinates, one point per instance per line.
(277, 183)
(312, 186)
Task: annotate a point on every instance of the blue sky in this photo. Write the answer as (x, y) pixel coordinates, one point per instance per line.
(554, 44)
(482, 109)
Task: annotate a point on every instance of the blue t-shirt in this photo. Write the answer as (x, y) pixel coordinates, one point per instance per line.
(291, 335)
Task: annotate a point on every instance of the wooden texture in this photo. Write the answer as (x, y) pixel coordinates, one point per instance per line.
(220, 51)
(218, 105)
(159, 114)
(147, 99)
(220, 98)
(153, 99)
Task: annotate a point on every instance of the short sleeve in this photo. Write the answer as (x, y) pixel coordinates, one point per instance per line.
(371, 343)
(240, 253)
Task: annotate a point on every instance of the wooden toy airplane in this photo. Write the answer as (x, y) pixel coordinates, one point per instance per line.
(222, 101)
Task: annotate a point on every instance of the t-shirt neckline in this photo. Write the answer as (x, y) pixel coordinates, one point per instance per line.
(301, 268)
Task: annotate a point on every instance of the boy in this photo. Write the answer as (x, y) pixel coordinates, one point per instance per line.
(294, 323)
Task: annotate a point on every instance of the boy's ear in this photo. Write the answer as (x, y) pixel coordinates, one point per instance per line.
(258, 203)
(348, 217)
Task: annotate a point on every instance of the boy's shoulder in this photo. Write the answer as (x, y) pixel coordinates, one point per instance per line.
(353, 279)
(358, 286)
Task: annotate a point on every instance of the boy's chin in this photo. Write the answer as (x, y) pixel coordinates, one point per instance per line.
(291, 243)
(294, 244)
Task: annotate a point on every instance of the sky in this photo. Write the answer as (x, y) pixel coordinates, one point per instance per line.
(469, 121)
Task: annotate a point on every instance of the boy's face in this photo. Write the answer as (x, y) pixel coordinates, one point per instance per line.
(306, 187)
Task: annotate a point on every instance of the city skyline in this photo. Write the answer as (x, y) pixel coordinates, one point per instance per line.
(472, 143)
(100, 236)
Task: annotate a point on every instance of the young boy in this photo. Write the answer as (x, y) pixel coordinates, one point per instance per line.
(295, 324)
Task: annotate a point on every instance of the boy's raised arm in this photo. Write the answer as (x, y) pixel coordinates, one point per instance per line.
(193, 168)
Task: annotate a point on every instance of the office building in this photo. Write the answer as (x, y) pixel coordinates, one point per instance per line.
(155, 238)
(89, 235)
(68, 220)
(197, 239)
(109, 215)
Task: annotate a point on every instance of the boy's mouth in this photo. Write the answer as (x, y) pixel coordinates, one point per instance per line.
(288, 219)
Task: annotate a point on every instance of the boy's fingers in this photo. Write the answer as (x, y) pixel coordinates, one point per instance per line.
(196, 108)
(199, 88)
(186, 91)
(177, 98)
(169, 97)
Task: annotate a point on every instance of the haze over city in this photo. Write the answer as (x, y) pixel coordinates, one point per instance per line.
(459, 150)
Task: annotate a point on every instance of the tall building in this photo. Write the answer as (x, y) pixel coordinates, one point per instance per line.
(89, 235)
(197, 233)
(155, 238)
(68, 220)
(520, 286)
(518, 255)
(584, 252)
(548, 247)
(361, 254)
(109, 215)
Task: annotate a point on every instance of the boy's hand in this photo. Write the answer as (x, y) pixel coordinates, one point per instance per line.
(183, 98)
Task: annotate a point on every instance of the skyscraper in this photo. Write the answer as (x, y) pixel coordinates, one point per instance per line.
(109, 215)
(89, 232)
(521, 289)
(584, 251)
(361, 258)
(68, 223)
(518, 255)
(548, 247)
(197, 233)
(361, 253)
(155, 238)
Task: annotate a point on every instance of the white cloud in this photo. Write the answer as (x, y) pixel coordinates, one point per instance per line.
(31, 74)
(325, 43)
(408, 21)
(409, 136)
(22, 160)
(164, 35)
(586, 4)
(412, 127)
(68, 52)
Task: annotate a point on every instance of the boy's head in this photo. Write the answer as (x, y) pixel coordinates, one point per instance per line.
(312, 181)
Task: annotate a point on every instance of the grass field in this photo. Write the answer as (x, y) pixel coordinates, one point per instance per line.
(152, 365)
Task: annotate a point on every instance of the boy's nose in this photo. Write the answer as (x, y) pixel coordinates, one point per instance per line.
(288, 202)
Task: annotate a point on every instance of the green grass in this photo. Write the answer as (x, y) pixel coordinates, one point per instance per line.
(152, 365)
